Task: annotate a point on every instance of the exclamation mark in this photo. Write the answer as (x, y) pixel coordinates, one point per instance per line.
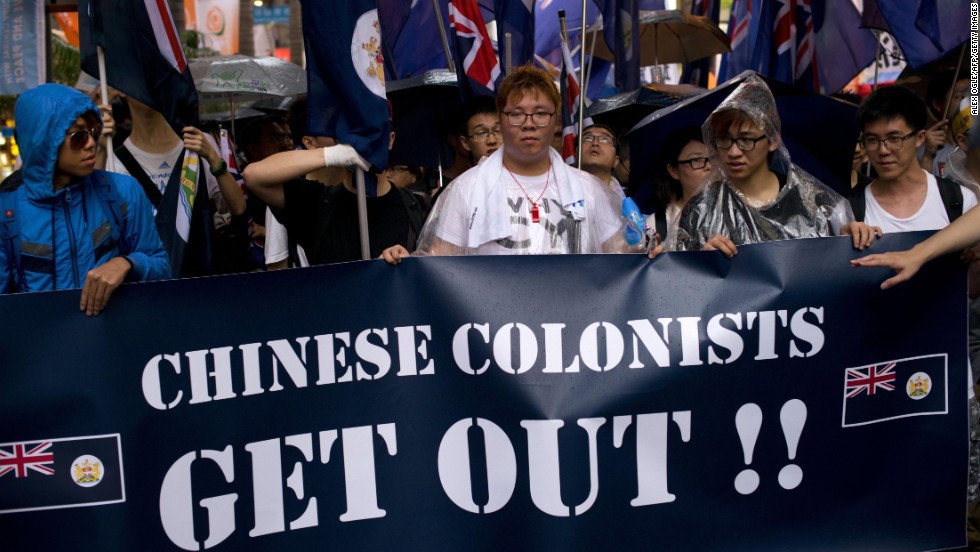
(748, 421)
(792, 417)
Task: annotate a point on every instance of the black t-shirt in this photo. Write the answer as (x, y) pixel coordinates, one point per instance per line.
(323, 219)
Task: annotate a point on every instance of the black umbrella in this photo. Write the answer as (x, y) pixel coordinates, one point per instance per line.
(819, 132)
(424, 109)
(622, 111)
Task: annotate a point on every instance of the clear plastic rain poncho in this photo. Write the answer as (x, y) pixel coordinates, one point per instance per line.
(489, 211)
(803, 208)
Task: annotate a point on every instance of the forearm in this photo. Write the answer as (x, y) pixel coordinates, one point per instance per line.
(232, 193)
(962, 233)
(266, 177)
(282, 167)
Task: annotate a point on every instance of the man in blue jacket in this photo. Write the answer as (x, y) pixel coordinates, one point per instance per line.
(69, 225)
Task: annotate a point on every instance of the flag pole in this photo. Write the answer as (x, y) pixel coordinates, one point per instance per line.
(362, 221)
(581, 80)
(110, 161)
(442, 35)
(952, 86)
(507, 47)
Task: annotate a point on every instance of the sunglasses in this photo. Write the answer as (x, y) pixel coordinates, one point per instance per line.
(79, 139)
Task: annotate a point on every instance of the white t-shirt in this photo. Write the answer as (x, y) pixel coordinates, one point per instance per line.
(930, 216)
(158, 167)
(277, 241)
(556, 231)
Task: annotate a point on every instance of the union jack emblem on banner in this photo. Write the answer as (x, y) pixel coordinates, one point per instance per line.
(19, 459)
(870, 379)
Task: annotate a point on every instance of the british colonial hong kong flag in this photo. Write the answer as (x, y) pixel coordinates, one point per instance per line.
(895, 389)
(60, 473)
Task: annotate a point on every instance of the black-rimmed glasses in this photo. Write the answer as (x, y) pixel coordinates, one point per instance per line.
(539, 118)
(696, 163)
(894, 143)
(744, 143)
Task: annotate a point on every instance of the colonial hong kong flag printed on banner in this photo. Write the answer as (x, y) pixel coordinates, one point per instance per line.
(61, 473)
(895, 389)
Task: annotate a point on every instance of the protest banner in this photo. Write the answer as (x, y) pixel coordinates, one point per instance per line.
(776, 401)
(23, 46)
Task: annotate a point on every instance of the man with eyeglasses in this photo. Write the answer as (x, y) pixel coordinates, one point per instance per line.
(482, 130)
(755, 193)
(523, 199)
(600, 154)
(69, 225)
(904, 197)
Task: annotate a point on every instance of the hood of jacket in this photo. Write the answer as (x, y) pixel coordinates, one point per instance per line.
(43, 116)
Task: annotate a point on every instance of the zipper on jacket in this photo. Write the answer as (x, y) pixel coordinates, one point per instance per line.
(71, 239)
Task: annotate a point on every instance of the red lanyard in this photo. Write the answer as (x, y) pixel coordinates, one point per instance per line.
(535, 217)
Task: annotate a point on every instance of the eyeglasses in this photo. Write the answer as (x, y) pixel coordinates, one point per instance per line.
(697, 163)
(591, 139)
(540, 118)
(79, 139)
(482, 135)
(895, 143)
(744, 143)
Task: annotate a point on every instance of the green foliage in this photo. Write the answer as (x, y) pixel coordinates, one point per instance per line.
(194, 45)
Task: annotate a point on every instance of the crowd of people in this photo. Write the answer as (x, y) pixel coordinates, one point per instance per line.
(68, 224)
(507, 191)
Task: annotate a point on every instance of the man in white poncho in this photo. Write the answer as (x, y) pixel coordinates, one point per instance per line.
(523, 199)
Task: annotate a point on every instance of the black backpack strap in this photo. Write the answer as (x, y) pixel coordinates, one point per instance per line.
(10, 236)
(660, 222)
(952, 195)
(414, 211)
(137, 172)
(858, 202)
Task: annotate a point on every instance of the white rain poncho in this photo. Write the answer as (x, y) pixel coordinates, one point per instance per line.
(803, 208)
(485, 212)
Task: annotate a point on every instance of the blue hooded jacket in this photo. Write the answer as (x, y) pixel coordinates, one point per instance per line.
(66, 233)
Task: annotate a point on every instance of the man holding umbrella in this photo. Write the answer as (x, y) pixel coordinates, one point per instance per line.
(756, 193)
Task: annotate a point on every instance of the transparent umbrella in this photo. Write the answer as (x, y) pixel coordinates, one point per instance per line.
(237, 78)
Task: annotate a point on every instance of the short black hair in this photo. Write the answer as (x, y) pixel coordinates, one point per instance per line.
(670, 189)
(892, 102)
(251, 133)
(939, 86)
(297, 119)
(480, 105)
(607, 129)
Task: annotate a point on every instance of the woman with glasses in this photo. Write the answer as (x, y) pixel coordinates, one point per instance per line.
(77, 227)
(685, 166)
(756, 193)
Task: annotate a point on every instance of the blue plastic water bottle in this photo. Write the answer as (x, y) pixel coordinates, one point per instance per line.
(635, 222)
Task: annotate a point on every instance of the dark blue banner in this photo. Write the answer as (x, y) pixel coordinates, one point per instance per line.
(22, 45)
(776, 401)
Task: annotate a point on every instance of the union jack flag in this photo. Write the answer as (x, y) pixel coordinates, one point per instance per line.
(870, 379)
(739, 31)
(479, 62)
(794, 42)
(570, 92)
(19, 460)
